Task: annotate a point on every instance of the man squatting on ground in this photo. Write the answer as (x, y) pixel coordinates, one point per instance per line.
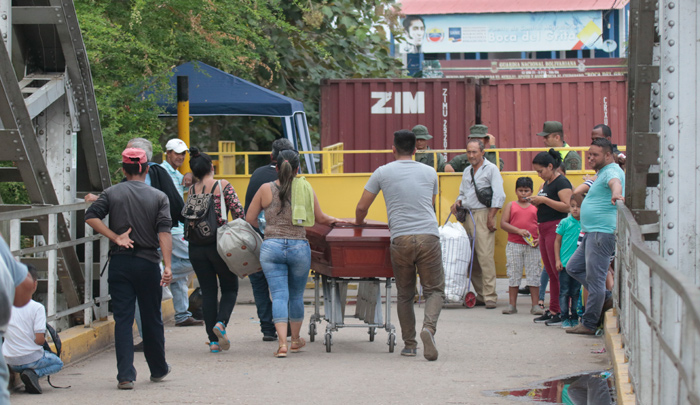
(409, 190)
(139, 224)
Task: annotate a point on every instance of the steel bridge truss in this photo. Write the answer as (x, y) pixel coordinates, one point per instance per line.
(50, 126)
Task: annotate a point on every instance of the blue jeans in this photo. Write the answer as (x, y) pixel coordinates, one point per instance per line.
(286, 264)
(569, 289)
(261, 293)
(181, 268)
(544, 280)
(589, 266)
(47, 365)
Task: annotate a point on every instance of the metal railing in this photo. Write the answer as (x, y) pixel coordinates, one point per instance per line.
(659, 320)
(332, 157)
(90, 306)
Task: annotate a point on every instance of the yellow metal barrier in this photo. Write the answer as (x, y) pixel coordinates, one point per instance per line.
(333, 162)
(332, 156)
(227, 158)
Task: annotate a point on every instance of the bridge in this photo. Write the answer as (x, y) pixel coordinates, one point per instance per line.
(51, 135)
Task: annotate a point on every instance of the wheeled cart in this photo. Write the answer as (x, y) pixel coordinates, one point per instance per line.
(346, 254)
(368, 307)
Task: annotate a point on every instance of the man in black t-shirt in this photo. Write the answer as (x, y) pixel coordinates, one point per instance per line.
(261, 291)
(139, 224)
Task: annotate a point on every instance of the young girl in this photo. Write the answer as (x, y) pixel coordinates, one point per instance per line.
(519, 219)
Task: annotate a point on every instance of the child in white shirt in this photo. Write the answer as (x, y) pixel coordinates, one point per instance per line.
(24, 340)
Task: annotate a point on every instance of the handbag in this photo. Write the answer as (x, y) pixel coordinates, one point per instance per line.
(485, 194)
(238, 244)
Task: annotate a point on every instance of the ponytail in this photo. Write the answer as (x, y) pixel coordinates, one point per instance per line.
(287, 166)
(551, 157)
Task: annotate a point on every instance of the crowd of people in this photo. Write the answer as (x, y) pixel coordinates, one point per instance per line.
(557, 236)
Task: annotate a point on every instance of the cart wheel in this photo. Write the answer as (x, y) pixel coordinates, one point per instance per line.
(371, 332)
(312, 331)
(470, 300)
(392, 342)
(328, 342)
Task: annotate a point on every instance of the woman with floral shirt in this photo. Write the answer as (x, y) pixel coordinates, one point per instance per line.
(205, 259)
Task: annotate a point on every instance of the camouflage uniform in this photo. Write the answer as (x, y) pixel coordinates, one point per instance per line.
(460, 162)
(427, 158)
(571, 160)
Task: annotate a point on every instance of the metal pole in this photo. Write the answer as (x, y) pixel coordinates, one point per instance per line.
(183, 116)
(52, 256)
(88, 276)
(15, 237)
(104, 287)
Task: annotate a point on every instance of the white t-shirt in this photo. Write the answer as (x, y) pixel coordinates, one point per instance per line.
(19, 347)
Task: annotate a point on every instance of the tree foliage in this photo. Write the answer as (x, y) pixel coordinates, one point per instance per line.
(287, 46)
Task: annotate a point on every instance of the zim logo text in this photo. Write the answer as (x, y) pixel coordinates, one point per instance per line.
(399, 102)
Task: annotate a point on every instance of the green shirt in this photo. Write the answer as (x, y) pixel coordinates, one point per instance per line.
(428, 159)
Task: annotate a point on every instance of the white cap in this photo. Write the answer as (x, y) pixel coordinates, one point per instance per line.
(176, 145)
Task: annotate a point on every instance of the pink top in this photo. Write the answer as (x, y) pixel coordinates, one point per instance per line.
(522, 218)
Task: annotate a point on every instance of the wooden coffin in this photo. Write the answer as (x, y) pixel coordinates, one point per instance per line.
(351, 250)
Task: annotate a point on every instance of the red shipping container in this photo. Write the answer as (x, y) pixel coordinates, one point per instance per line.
(364, 113)
(515, 110)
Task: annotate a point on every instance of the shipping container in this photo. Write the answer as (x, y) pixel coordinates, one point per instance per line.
(364, 113)
(515, 110)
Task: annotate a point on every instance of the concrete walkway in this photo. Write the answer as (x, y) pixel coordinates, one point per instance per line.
(480, 350)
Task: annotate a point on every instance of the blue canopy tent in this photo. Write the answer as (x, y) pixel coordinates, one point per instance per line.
(215, 92)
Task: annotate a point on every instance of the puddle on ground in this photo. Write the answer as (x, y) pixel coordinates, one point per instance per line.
(590, 388)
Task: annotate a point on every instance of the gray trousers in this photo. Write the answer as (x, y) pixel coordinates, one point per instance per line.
(589, 266)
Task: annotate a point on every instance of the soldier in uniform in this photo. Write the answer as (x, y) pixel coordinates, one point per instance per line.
(460, 162)
(422, 138)
(553, 134)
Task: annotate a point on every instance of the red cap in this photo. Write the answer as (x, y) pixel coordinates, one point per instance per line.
(133, 156)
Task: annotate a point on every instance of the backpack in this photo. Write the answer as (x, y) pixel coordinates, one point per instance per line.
(57, 342)
(238, 245)
(200, 217)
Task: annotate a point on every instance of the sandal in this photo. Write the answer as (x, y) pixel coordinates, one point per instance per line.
(297, 344)
(281, 351)
(214, 347)
(220, 332)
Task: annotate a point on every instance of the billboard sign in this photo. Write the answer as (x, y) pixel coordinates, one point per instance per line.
(503, 32)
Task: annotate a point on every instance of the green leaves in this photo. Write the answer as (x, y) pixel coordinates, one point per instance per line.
(287, 46)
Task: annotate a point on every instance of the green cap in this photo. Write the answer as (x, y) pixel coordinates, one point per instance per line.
(478, 131)
(421, 132)
(551, 127)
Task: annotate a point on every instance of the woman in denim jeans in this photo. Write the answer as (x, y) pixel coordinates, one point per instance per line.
(285, 254)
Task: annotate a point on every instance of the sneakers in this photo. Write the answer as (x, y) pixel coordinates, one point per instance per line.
(545, 317)
(536, 310)
(554, 320)
(510, 310)
(580, 330)
(566, 324)
(31, 381)
(138, 347)
(125, 385)
(190, 322)
(408, 352)
(490, 304)
(430, 351)
(574, 322)
(159, 379)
